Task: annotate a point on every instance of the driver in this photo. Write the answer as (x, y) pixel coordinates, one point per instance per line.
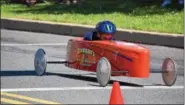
(104, 31)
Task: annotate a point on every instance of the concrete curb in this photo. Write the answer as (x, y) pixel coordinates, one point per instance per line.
(164, 39)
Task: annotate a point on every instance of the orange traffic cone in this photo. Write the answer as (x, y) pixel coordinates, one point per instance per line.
(116, 96)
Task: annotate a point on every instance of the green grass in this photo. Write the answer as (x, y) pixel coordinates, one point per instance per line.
(126, 14)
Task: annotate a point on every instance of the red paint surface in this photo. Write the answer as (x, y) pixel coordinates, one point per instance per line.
(123, 56)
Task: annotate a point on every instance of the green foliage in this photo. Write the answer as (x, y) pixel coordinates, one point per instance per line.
(128, 14)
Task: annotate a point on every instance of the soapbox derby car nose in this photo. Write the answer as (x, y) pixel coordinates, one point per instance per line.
(108, 58)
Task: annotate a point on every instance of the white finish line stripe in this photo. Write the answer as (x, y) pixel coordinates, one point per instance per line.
(88, 88)
(34, 44)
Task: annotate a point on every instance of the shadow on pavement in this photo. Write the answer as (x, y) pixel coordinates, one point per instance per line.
(70, 76)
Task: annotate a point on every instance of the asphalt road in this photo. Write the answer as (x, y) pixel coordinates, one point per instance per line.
(68, 86)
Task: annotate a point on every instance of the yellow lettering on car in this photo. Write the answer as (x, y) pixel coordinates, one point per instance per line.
(86, 56)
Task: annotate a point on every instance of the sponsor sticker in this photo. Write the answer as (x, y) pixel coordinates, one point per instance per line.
(86, 56)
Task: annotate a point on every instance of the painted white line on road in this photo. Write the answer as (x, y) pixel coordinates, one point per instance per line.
(34, 44)
(88, 88)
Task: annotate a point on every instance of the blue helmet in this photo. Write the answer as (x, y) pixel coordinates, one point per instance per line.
(106, 27)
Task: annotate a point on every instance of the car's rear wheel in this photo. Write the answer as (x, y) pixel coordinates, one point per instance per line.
(40, 62)
(103, 71)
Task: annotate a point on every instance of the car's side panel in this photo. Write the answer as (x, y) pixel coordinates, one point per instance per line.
(126, 59)
(81, 56)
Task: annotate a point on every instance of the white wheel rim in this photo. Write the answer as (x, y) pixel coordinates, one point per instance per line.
(40, 62)
(169, 65)
(103, 71)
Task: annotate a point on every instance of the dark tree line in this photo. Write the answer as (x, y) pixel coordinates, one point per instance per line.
(33, 2)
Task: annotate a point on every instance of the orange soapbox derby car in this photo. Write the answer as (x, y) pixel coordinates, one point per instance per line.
(108, 58)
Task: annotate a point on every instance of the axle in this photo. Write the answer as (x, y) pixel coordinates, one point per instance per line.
(158, 71)
(57, 62)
